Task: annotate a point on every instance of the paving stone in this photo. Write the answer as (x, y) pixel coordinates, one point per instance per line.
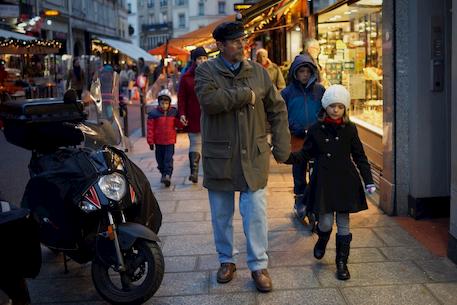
(211, 262)
(302, 296)
(185, 227)
(184, 283)
(63, 290)
(198, 205)
(406, 253)
(370, 221)
(279, 213)
(285, 224)
(361, 238)
(203, 195)
(183, 216)
(232, 299)
(440, 270)
(167, 206)
(57, 270)
(305, 257)
(387, 295)
(396, 237)
(189, 245)
(191, 187)
(369, 274)
(180, 263)
(445, 292)
(290, 240)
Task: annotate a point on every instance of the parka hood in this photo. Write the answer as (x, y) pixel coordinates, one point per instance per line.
(300, 61)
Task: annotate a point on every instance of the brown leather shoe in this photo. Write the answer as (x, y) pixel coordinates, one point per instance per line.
(262, 280)
(225, 272)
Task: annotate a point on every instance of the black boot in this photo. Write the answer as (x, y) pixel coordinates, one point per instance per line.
(319, 248)
(343, 245)
(194, 159)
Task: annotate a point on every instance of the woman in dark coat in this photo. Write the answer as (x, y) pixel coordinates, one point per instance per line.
(335, 185)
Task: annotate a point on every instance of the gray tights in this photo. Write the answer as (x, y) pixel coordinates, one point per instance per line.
(342, 222)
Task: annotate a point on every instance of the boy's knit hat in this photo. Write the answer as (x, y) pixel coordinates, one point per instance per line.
(164, 93)
(336, 94)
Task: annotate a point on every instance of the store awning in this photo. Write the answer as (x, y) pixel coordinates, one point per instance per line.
(200, 37)
(129, 49)
(9, 34)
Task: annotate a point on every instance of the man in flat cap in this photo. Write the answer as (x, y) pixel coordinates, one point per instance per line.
(236, 97)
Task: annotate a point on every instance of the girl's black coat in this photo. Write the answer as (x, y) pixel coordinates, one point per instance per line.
(335, 184)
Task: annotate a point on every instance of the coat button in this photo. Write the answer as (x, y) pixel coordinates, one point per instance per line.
(326, 140)
(329, 155)
(322, 126)
(243, 151)
(337, 138)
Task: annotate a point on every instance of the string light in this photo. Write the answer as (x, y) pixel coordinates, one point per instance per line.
(16, 43)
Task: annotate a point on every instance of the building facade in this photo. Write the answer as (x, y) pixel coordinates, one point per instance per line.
(155, 22)
(134, 24)
(189, 15)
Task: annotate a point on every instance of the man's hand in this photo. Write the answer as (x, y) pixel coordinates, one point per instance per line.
(252, 103)
(151, 146)
(183, 120)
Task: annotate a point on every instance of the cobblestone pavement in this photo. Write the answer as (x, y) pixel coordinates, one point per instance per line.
(387, 265)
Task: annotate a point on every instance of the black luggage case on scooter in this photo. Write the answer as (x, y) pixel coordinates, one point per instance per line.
(42, 124)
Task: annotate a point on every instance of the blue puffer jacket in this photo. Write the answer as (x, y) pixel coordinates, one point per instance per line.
(303, 101)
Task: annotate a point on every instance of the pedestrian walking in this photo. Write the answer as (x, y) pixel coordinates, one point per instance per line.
(161, 134)
(272, 68)
(235, 96)
(189, 111)
(303, 99)
(313, 49)
(76, 78)
(335, 186)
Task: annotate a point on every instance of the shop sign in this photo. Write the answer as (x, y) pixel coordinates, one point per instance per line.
(7, 10)
(320, 5)
(241, 6)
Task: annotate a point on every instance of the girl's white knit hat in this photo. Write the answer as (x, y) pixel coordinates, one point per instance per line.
(336, 94)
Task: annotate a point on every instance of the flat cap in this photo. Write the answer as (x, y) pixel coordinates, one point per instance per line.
(228, 31)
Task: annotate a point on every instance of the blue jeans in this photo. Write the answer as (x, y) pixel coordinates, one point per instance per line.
(253, 209)
(164, 157)
(299, 174)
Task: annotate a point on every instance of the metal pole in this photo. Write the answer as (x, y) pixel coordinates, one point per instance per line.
(143, 128)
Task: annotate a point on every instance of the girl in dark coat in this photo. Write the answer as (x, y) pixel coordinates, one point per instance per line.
(335, 186)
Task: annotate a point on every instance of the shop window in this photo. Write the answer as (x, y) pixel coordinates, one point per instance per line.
(201, 8)
(221, 7)
(182, 21)
(350, 38)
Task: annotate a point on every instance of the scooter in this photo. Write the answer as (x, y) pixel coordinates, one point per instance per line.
(94, 205)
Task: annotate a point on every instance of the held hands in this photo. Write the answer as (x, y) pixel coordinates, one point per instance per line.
(151, 146)
(183, 120)
(252, 103)
(370, 188)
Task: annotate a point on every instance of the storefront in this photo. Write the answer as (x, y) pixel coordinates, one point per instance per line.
(350, 36)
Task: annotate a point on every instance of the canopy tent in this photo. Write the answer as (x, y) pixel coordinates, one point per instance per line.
(163, 50)
(200, 37)
(129, 49)
(16, 43)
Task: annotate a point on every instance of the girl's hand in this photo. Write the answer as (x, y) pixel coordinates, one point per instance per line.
(370, 188)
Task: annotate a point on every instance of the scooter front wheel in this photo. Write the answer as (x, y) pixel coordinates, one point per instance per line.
(143, 275)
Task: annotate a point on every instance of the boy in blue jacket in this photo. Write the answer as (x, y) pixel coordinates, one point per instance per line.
(303, 99)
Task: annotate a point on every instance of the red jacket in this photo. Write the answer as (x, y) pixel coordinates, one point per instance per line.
(162, 126)
(188, 104)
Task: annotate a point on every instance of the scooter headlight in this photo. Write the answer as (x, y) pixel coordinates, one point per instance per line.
(113, 186)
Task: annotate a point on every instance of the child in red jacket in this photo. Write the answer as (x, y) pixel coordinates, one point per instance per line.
(162, 123)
